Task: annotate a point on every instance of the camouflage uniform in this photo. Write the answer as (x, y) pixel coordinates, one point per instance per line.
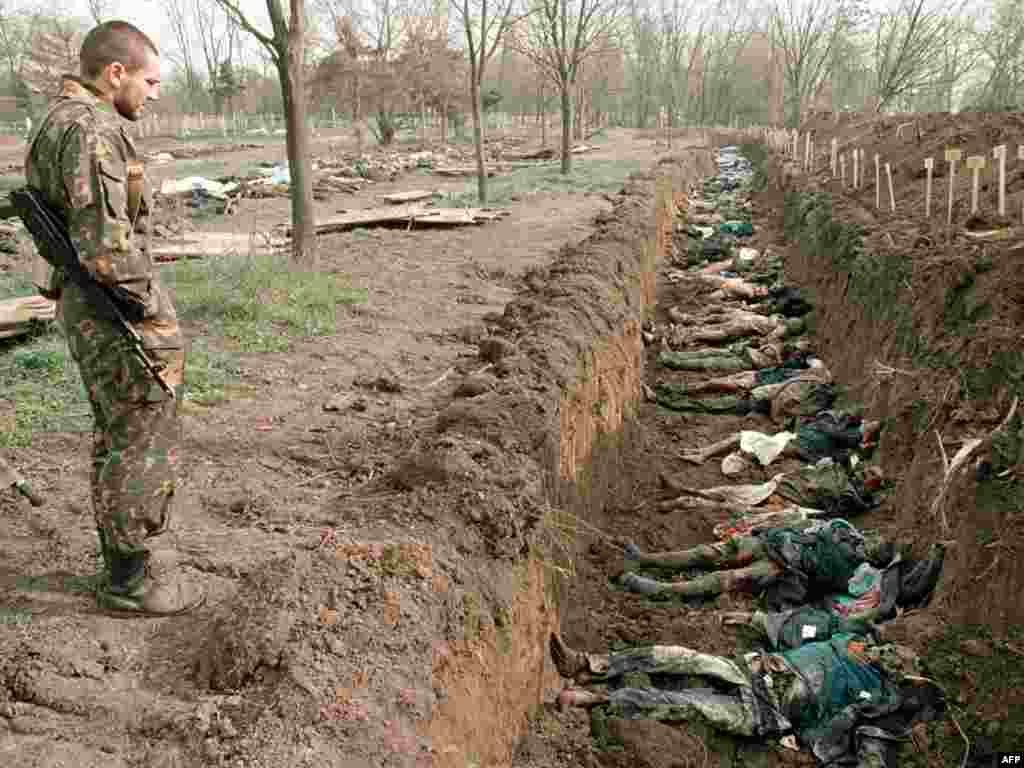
(86, 166)
(765, 693)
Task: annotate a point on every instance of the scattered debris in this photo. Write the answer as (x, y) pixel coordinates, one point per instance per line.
(201, 244)
(408, 215)
(174, 187)
(413, 196)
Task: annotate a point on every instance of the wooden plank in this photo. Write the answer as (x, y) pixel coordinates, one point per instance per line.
(200, 245)
(462, 171)
(413, 196)
(16, 315)
(409, 215)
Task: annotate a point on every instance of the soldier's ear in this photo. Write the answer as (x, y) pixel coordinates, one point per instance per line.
(116, 72)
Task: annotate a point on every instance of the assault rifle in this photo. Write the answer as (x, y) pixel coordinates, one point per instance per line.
(55, 245)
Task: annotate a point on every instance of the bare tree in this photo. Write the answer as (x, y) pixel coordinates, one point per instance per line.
(909, 42)
(680, 46)
(286, 46)
(179, 18)
(485, 24)
(560, 36)
(805, 32)
(54, 44)
(217, 32)
(98, 10)
(646, 40)
(15, 37)
(1002, 46)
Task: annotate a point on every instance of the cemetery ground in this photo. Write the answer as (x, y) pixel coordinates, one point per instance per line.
(361, 477)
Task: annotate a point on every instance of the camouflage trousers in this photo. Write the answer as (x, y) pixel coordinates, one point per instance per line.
(744, 561)
(136, 432)
(738, 711)
(711, 360)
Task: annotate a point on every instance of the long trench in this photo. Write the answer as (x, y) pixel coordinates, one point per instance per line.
(598, 614)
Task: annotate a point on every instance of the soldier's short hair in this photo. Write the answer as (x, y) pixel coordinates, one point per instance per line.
(115, 41)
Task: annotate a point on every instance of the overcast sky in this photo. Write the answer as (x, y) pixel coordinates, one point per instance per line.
(149, 16)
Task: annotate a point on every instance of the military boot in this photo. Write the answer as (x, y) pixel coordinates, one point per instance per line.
(136, 588)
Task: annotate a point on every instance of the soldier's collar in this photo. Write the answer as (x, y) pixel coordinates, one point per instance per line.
(73, 87)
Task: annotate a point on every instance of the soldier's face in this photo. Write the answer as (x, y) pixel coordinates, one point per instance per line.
(135, 89)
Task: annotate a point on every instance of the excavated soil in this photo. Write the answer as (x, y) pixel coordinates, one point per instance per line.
(374, 514)
(386, 578)
(922, 327)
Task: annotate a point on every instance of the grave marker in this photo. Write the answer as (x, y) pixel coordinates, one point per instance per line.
(929, 167)
(975, 163)
(999, 153)
(892, 196)
(952, 157)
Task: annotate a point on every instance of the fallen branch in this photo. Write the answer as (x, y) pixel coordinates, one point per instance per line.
(960, 458)
(942, 450)
(967, 742)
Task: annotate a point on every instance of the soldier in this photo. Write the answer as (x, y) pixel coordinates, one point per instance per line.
(86, 167)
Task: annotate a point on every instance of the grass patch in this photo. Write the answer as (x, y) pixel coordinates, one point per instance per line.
(206, 167)
(586, 177)
(42, 383)
(209, 374)
(259, 302)
(993, 714)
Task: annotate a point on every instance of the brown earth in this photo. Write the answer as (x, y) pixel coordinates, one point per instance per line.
(416, 635)
(381, 575)
(949, 365)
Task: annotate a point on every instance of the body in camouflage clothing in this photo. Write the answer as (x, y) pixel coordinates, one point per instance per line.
(87, 168)
(822, 555)
(820, 690)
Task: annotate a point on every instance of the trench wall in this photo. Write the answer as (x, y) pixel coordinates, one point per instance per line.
(920, 329)
(576, 331)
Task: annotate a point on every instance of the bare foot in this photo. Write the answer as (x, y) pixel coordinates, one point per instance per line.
(573, 698)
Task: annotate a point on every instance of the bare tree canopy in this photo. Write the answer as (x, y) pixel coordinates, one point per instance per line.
(287, 46)
(559, 36)
(485, 24)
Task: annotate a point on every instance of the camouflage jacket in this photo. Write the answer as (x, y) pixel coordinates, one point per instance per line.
(81, 158)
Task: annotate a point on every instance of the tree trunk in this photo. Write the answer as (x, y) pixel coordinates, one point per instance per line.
(294, 92)
(566, 127)
(478, 137)
(544, 120)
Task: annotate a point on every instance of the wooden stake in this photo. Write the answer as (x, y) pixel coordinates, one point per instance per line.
(835, 157)
(892, 196)
(807, 151)
(856, 165)
(929, 167)
(842, 169)
(878, 183)
(999, 153)
(976, 163)
(952, 157)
